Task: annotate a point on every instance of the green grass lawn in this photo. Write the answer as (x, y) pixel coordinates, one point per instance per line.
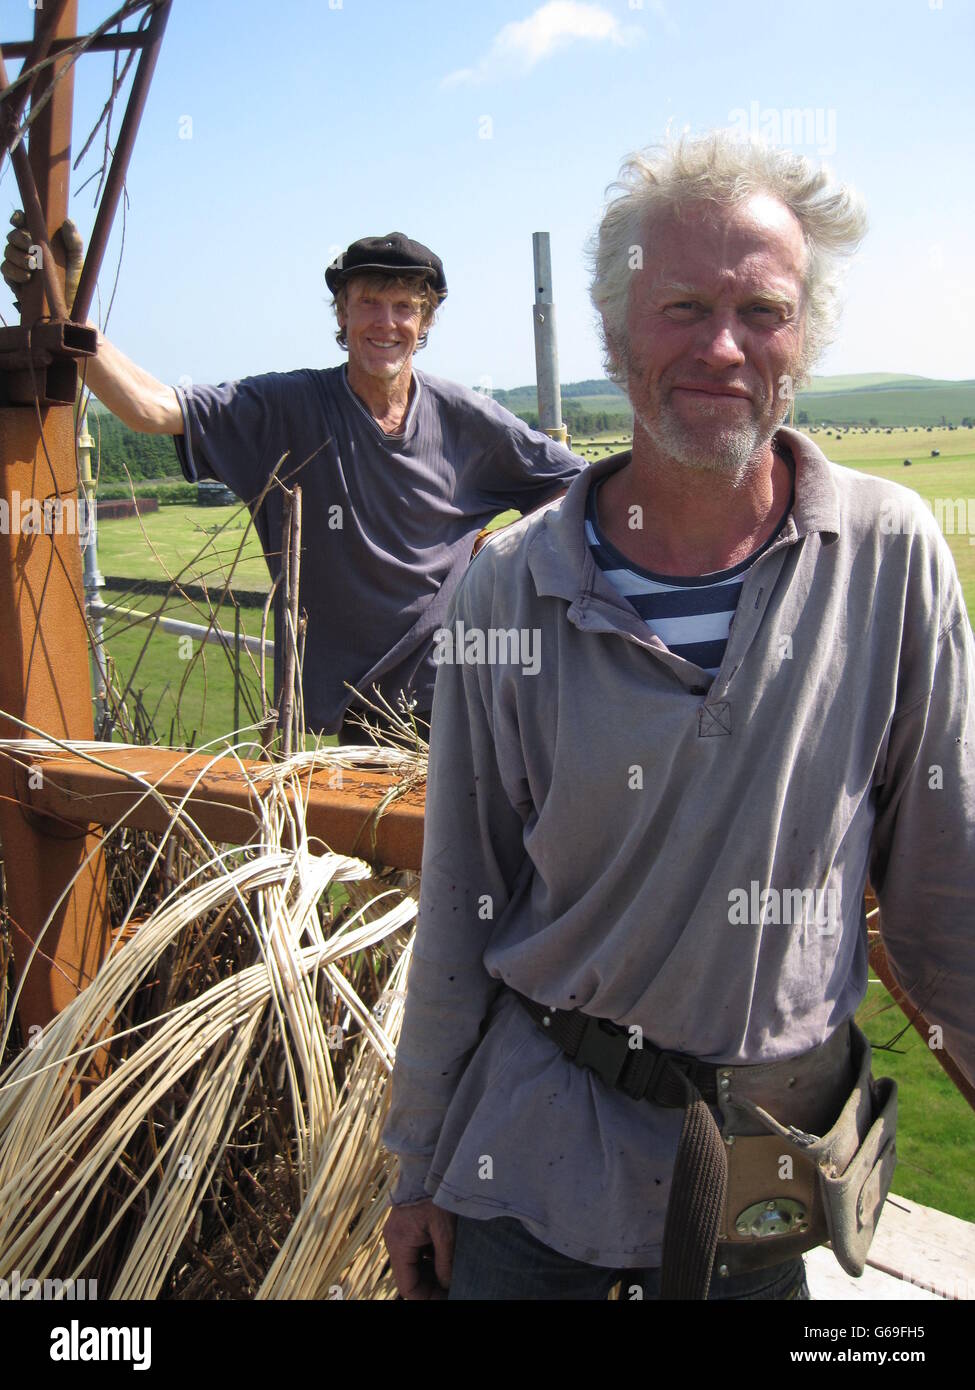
(189, 696)
(197, 544)
(186, 688)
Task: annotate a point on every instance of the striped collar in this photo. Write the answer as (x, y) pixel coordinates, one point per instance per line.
(558, 554)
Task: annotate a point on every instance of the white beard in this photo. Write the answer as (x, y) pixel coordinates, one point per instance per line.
(734, 451)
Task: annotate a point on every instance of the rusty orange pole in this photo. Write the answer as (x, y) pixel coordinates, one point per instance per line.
(44, 676)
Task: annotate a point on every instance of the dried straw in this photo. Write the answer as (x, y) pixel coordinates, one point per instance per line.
(232, 1149)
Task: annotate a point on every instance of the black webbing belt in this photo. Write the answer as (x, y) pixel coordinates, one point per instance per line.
(700, 1181)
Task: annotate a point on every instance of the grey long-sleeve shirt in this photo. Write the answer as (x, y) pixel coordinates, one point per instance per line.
(618, 834)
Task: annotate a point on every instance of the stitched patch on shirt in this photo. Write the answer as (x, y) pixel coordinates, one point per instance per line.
(714, 720)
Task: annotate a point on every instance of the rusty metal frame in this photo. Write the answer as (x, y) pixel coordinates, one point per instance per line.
(13, 98)
(45, 681)
(120, 162)
(221, 795)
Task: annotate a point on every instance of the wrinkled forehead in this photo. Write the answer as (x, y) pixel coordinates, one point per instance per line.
(759, 238)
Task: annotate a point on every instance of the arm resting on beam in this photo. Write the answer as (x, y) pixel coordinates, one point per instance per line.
(132, 394)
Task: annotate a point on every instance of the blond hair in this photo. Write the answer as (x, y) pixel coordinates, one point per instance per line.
(722, 169)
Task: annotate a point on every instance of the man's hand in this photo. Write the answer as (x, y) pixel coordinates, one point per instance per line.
(16, 269)
(420, 1241)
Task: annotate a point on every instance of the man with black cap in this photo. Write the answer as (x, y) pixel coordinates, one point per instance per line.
(399, 472)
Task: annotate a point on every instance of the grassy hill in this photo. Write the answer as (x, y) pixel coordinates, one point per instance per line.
(888, 399)
(596, 407)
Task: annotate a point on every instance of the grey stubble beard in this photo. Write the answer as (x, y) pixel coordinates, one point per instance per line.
(736, 455)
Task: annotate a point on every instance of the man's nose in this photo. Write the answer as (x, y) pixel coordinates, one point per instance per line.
(720, 344)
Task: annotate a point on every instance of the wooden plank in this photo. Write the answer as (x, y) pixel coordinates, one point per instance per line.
(339, 805)
(829, 1283)
(917, 1253)
(926, 1247)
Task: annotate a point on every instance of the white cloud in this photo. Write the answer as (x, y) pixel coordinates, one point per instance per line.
(522, 44)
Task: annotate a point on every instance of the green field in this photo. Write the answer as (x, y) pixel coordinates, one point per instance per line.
(198, 545)
(183, 689)
(949, 477)
(186, 691)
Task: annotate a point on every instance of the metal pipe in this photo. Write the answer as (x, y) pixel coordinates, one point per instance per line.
(546, 346)
(94, 580)
(120, 163)
(237, 665)
(200, 631)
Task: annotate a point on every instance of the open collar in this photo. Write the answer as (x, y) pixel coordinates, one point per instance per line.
(561, 562)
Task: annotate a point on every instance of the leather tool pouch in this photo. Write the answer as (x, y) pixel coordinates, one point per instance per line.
(811, 1155)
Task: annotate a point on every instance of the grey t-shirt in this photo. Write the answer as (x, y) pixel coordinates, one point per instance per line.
(388, 520)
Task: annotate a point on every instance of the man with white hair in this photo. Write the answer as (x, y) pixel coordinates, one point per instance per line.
(628, 1051)
(400, 471)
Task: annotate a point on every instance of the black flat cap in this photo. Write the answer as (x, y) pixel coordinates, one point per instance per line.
(392, 254)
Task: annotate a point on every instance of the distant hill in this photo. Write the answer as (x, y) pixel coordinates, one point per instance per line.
(599, 407)
(881, 398)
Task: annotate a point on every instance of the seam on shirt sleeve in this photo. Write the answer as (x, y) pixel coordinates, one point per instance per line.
(925, 698)
(189, 469)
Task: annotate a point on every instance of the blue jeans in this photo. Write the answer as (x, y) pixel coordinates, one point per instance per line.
(499, 1259)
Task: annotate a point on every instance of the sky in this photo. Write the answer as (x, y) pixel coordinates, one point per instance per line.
(276, 134)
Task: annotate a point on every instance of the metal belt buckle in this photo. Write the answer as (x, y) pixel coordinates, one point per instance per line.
(603, 1052)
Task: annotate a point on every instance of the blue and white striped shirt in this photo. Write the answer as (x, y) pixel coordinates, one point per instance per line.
(691, 614)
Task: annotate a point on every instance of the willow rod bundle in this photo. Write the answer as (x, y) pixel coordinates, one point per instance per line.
(237, 1086)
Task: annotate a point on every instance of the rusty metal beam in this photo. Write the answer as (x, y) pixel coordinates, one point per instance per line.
(12, 107)
(37, 226)
(38, 364)
(44, 679)
(44, 676)
(49, 153)
(120, 163)
(223, 801)
(105, 43)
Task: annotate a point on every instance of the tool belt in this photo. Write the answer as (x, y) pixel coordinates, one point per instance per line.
(805, 1152)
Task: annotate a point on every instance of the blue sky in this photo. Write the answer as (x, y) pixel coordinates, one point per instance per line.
(471, 125)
